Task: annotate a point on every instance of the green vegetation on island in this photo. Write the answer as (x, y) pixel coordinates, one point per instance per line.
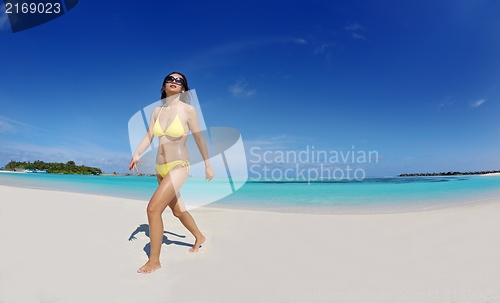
(451, 173)
(55, 168)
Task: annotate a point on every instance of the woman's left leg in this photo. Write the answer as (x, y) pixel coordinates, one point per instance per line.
(179, 210)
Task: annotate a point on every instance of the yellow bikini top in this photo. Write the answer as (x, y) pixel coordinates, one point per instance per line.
(175, 129)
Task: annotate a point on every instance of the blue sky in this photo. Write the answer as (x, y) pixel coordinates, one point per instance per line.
(416, 81)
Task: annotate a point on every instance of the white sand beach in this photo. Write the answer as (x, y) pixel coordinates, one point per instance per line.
(491, 175)
(67, 247)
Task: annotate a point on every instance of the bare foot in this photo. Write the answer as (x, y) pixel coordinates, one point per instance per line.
(149, 267)
(197, 244)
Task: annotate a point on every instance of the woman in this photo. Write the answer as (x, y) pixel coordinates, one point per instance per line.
(171, 123)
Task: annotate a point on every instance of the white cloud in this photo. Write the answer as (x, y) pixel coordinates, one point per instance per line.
(299, 40)
(358, 36)
(6, 127)
(446, 102)
(239, 90)
(478, 103)
(218, 54)
(89, 155)
(324, 49)
(353, 26)
(321, 48)
(26, 147)
(270, 141)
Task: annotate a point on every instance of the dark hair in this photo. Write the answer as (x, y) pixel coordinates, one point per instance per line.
(184, 97)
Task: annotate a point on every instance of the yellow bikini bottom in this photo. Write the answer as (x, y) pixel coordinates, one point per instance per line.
(164, 169)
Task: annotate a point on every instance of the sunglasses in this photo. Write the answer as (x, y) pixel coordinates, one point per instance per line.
(177, 80)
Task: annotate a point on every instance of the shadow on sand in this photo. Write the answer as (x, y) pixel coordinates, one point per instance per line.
(147, 248)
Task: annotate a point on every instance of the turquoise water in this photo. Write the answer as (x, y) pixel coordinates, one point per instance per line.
(389, 194)
(371, 195)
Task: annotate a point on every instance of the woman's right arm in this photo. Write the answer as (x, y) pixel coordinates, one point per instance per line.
(146, 141)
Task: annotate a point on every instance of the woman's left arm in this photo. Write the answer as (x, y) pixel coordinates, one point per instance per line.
(194, 126)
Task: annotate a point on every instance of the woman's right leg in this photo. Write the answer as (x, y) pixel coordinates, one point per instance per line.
(163, 195)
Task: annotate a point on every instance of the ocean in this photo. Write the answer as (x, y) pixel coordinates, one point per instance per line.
(371, 195)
